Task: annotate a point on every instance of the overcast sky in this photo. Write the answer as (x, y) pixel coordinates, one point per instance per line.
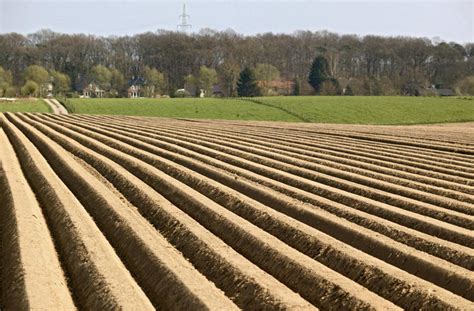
(449, 20)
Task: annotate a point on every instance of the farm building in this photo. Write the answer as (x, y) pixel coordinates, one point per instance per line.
(277, 87)
(134, 91)
(88, 88)
(93, 90)
(135, 88)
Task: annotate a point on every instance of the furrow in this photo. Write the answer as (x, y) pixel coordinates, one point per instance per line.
(394, 177)
(31, 274)
(406, 142)
(248, 286)
(375, 180)
(463, 149)
(424, 132)
(427, 156)
(165, 276)
(332, 178)
(449, 174)
(314, 281)
(358, 162)
(424, 153)
(419, 132)
(413, 220)
(215, 194)
(300, 135)
(368, 158)
(97, 277)
(391, 159)
(443, 249)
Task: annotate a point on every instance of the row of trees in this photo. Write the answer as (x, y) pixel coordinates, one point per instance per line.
(369, 65)
(37, 81)
(115, 84)
(246, 85)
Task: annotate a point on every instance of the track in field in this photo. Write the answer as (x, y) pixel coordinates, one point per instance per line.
(102, 212)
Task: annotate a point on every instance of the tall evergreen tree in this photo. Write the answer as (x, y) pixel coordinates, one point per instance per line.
(247, 85)
(319, 73)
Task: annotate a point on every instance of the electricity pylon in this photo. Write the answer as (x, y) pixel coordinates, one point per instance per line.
(184, 26)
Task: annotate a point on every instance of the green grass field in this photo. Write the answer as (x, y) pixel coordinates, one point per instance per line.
(196, 108)
(378, 109)
(324, 109)
(24, 106)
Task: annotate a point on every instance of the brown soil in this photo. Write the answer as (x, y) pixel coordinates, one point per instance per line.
(109, 212)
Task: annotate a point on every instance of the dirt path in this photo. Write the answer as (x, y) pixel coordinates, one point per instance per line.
(56, 106)
(171, 214)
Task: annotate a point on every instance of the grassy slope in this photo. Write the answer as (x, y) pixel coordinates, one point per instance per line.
(24, 106)
(325, 109)
(198, 108)
(378, 109)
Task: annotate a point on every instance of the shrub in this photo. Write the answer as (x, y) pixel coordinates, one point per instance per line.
(465, 86)
(72, 95)
(297, 87)
(10, 92)
(428, 92)
(348, 91)
(30, 88)
(330, 87)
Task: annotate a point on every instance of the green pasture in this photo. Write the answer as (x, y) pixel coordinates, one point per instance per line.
(322, 109)
(24, 106)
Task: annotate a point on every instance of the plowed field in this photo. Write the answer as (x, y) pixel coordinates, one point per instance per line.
(106, 212)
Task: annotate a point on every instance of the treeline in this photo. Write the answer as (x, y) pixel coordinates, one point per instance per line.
(369, 65)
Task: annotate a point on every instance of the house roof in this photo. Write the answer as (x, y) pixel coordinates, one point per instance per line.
(82, 82)
(137, 81)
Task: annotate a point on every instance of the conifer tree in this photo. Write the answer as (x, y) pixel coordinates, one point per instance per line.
(319, 73)
(247, 85)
